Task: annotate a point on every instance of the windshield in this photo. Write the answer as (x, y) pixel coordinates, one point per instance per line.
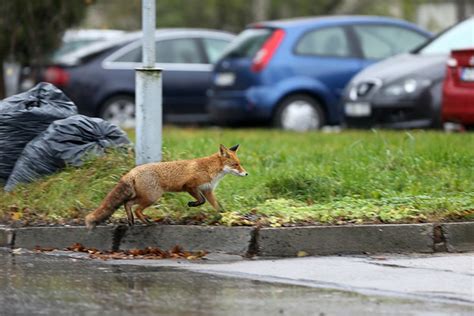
(458, 37)
(71, 46)
(247, 43)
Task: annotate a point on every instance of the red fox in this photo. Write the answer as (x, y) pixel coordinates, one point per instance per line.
(145, 184)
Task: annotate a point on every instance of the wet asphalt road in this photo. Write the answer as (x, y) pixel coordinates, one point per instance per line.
(39, 284)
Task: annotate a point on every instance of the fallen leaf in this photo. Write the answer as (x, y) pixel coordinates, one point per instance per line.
(15, 216)
(146, 253)
(302, 254)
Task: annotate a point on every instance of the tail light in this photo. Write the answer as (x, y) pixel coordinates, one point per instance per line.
(57, 76)
(452, 62)
(264, 55)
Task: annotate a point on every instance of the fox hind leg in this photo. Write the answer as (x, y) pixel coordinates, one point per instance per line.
(144, 200)
(143, 204)
(128, 208)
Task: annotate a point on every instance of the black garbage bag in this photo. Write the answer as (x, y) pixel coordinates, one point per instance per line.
(65, 142)
(24, 116)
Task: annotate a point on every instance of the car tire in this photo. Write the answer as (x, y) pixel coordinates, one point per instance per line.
(435, 106)
(119, 110)
(436, 120)
(299, 112)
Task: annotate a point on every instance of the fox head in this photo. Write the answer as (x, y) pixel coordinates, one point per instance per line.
(230, 161)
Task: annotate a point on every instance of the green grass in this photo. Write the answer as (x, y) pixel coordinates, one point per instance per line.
(295, 179)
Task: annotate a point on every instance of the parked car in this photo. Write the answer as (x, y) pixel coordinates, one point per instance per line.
(405, 91)
(292, 72)
(73, 40)
(458, 88)
(100, 78)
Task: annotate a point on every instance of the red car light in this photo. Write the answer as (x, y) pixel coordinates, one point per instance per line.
(264, 55)
(452, 62)
(56, 75)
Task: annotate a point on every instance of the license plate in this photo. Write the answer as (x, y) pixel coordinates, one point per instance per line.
(224, 79)
(358, 109)
(467, 74)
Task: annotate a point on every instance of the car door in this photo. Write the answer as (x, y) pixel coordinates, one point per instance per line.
(328, 55)
(186, 75)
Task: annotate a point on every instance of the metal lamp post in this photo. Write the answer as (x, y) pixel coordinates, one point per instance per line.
(148, 94)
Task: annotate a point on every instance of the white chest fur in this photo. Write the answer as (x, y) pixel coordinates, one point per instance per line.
(210, 186)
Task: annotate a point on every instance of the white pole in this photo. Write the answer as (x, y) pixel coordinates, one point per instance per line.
(148, 96)
(148, 28)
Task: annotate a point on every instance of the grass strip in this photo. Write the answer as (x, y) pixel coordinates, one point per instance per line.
(295, 179)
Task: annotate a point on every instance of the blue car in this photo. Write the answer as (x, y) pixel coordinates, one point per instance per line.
(100, 78)
(292, 73)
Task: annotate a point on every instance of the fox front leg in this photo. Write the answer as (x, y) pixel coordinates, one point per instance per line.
(200, 200)
(211, 198)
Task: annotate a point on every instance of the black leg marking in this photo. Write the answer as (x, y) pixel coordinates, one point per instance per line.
(200, 200)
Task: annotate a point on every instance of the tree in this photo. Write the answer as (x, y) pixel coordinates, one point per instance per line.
(229, 15)
(31, 30)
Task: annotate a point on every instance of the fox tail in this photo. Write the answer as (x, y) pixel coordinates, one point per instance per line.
(121, 193)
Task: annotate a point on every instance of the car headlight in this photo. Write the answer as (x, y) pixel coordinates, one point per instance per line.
(406, 87)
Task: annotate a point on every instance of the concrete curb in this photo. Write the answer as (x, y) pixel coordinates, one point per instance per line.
(63, 237)
(265, 242)
(458, 236)
(232, 240)
(328, 240)
(6, 237)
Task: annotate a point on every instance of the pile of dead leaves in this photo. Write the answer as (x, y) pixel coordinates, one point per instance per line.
(148, 253)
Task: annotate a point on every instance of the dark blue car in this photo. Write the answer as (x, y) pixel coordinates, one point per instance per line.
(292, 72)
(100, 78)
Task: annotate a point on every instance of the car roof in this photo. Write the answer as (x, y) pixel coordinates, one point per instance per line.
(94, 48)
(301, 22)
(92, 34)
(188, 31)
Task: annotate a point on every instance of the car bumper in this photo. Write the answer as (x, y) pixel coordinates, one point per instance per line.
(458, 106)
(414, 113)
(374, 123)
(235, 107)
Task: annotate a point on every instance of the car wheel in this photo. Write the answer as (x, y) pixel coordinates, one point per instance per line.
(300, 113)
(119, 110)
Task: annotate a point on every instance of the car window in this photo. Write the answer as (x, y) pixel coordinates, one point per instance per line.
(247, 43)
(182, 50)
(71, 46)
(382, 41)
(133, 56)
(214, 48)
(331, 41)
(458, 37)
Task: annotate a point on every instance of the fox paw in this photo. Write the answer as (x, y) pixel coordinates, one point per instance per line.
(195, 203)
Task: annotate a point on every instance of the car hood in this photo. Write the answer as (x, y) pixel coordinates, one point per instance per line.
(406, 65)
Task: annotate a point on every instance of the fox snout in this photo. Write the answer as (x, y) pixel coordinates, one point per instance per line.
(240, 173)
(243, 173)
(236, 171)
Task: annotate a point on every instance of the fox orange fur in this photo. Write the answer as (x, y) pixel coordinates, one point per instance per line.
(145, 184)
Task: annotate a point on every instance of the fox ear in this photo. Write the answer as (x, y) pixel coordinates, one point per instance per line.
(234, 148)
(223, 151)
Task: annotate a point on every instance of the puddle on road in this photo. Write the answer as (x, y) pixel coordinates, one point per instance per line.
(42, 284)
